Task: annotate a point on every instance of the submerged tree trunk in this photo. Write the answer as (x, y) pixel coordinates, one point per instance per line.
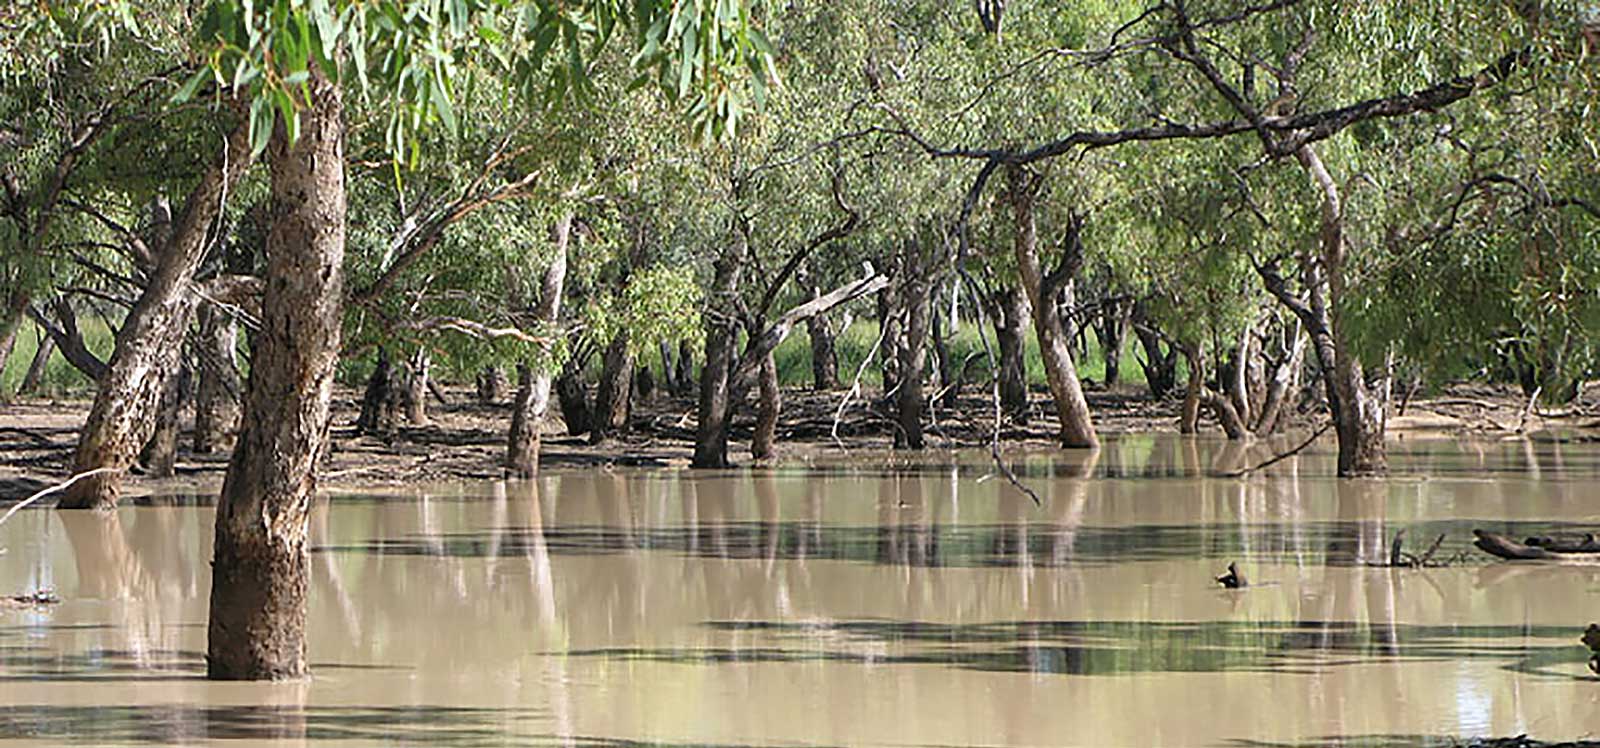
(1009, 324)
(824, 358)
(216, 409)
(711, 432)
(1358, 416)
(1278, 389)
(1077, 428)
(614, 401)
(769, 404)
(259, 581)
(32, 381)
(1193, 394)
(160, 455)
(151, 339)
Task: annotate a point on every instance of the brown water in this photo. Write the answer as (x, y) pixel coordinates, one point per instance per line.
(873, 601)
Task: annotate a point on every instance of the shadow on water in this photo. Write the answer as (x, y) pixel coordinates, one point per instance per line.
(1124, 647)
(169, 724)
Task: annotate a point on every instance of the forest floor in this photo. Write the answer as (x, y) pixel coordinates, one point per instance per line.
(464, 440)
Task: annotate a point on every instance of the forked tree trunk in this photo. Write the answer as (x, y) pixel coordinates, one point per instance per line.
(1358, 416)
(912, 355)
(160, 455)
(259, 573)
(768, 405)
(1227, 416)
(711, 432)
(416, 399)
(151, 339)
(614, 401)
(216, 409)
(1077, 428)
(32, 381)
(1160, 368)
(533, 387)
(1278, 390)
(1013, 316)
(824, 357)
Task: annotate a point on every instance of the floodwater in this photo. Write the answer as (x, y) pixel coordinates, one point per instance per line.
(869, 601)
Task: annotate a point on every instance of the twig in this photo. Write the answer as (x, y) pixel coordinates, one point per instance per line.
(855, 385)
(1282, 457)
(53, 489)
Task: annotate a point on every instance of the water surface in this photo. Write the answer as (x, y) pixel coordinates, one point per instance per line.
(877, 600)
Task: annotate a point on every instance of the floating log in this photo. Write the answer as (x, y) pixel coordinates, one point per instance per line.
(1504, 547)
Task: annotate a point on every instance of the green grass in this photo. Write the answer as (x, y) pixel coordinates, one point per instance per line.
(59, 376)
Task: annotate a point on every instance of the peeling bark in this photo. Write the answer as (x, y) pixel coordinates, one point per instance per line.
(260, 572)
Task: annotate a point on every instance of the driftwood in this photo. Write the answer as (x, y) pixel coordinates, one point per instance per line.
(1591, 639)
(1234, 579)
(1506, 548)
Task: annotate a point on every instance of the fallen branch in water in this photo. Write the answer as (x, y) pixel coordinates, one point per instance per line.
(1279, 458)
(54, 489)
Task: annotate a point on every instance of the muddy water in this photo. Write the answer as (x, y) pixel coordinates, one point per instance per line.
(874, 601)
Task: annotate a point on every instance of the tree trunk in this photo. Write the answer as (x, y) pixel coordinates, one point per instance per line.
(912, 355)
(522, 441)
(1358, 416)
(160, 455)
(15, 311)
(684, 377)
(889, 328)
(824, 358)
(151, 339)
(259, 581)
(949, 378)
(1189, 416)
(1222, 407)
(533, 387)
(614, 401)
(36, 368)
(1239, 374)
(1014, 313)
(216, 408)
(768, 406)
(711, 431)
(380, 404)
(1283, 377)
(669, 378)
(1077, 428)
(416, 399)
(577, 411)
(491, 385)
(1112, 331)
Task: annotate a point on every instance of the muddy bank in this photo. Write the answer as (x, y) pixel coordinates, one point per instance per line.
(464, 439)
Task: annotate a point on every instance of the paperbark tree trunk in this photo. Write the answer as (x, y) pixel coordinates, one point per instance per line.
(614, 401)
(768, 405)
(1077, 427)
(1012, 304)
(36, 368)
(151, 339)
(259, 582)
(216, 409)
(711, 432)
